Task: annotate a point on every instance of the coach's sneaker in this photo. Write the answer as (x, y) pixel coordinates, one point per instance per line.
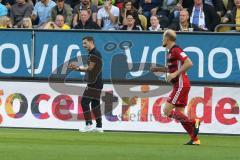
(97, 129)
(191, 142)
(87, 128)
(196, 127)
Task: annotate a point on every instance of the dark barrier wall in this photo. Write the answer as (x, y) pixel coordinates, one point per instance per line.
(126, 55)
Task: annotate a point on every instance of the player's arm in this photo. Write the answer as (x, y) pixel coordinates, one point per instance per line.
(82, 69)
(158, 69)
(186, 65)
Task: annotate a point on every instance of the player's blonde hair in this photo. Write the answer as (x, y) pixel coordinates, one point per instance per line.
(170, 34)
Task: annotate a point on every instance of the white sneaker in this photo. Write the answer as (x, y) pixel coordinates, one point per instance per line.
(87, 128)
(100, 130)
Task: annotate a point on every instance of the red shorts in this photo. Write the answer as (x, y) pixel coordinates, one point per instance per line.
(179, 96)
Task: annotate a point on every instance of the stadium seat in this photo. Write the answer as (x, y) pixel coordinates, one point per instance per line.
(224, 29)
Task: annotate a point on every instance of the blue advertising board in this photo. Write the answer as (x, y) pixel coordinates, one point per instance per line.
(15, 53)
(123, 53)
(216, 57)
(126, 55)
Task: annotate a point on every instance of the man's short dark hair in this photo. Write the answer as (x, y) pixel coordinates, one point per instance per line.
(88, 38)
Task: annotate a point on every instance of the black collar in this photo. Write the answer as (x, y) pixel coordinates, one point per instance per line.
(172, 47)
(92, 51)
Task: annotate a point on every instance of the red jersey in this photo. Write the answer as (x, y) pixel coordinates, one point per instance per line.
(175, 60)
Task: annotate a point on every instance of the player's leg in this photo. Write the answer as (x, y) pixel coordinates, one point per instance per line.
(178, 98)
(177, 114)
(86, 107)
(182, 102)
(167, 110)
(188, 125)
(96, 108)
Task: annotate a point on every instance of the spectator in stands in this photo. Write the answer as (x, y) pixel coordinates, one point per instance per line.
(42, 11)
(217, 4)
(155, 24)
(183, 23)
(86, 21)
(136, 4)
(72, 3)
(131, 25)
(229, 7)
(8, 3)
(236, 14)
(58, 24)
(149, 7)
(108, 16)
(187, 4)
(85, 4)
(9, 22)
(20, 10)
(128, 8)
(3, 9)
(3, 21)
(26, 23)
(119, 4)
(234, 17)
(204, 16)
(101, 3)
(209, 2)
(169, 10)
(62, 9)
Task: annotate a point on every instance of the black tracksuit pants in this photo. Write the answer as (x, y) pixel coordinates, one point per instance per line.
(92, 95)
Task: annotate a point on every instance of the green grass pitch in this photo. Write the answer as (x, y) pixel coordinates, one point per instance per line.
(40, 144)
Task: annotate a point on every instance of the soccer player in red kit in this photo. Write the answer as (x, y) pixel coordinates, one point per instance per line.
(177, 65)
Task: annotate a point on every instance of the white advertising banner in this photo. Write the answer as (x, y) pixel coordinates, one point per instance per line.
(124, 107)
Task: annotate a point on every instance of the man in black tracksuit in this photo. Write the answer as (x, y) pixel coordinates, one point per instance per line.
(94, 86)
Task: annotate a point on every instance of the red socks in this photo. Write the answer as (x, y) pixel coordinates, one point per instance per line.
(187, 124)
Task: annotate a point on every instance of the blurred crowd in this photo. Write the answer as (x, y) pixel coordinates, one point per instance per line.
(151, 15)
